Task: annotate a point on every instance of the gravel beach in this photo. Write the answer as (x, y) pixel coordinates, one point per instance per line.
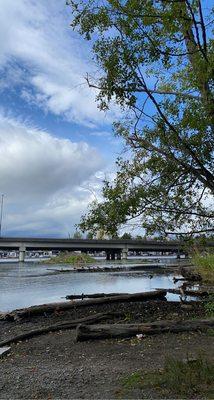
(55, 366)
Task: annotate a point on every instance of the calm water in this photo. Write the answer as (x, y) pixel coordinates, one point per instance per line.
(22, 285)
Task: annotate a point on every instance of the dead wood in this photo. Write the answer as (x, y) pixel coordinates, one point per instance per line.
(92, 295)
(175, 280)
(182, 291)
(60, 326)
(95, 332)
(57, 307)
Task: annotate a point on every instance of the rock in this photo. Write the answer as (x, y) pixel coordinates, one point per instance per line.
(190, 360)
(4, 351)
(186, 306)
(174, 314)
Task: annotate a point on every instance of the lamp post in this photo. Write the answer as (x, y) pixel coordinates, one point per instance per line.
(1, 213)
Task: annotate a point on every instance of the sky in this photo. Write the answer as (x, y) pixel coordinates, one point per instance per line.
(56, 147)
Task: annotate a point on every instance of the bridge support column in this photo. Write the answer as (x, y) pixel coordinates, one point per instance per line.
(108, 255)
(119, 256)
(124, 254)
(22, 251)
(178, 254)
(112, 255)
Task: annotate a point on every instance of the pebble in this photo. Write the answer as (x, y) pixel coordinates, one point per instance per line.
(186, 306)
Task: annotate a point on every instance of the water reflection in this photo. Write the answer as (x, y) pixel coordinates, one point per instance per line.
(22, 285)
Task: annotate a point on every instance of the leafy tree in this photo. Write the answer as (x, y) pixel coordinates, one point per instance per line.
(90, 235)
(77, 235)
(138, 237)
(126, 236)
(157, 62)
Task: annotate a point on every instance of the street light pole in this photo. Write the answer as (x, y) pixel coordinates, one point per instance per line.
(1, 214)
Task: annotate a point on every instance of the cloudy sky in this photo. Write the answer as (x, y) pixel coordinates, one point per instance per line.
(55, 145)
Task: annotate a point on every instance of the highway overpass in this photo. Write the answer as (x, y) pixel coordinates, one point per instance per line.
(114, 248)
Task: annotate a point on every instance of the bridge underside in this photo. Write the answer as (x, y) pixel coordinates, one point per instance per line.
(114, 249)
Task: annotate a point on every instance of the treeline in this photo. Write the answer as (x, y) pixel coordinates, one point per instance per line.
(197, 239)
(103, 235)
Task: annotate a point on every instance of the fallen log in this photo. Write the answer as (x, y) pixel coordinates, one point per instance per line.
(182, 291)
(60, 271)
(175, 280)
(92, 295)
(57, 307)
(60, 326)
(91, 269)
(95, 332)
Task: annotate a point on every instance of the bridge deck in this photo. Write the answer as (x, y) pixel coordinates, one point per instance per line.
(86, 244)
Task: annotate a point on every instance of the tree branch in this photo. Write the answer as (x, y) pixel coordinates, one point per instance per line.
(190, 232)
(203, 28)
(138, 89)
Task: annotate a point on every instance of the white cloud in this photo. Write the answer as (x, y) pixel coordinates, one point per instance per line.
(54, 59)
(47, 181)
(44, 179)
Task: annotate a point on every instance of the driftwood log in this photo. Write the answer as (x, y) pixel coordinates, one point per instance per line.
(196, 293)
(85, 269)
(175, 280)
(60, 326)
(182, 291)
(92, 295)
(95, 332)
(57, 307)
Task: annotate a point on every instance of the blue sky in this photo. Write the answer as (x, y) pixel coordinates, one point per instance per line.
(55, 145)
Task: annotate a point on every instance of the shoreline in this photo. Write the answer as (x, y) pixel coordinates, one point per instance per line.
(54, 366)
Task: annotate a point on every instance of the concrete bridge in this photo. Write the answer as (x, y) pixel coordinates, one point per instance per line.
(114, 248)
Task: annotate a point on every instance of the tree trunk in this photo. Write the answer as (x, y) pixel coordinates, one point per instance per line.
(94, 332)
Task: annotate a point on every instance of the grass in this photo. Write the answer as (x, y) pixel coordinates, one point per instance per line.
(178, 379)
(133, 381)
(209, 306)
(72, 258)
(204, 265)
(210, 332)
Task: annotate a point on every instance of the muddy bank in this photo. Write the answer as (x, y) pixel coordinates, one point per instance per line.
(54, 366)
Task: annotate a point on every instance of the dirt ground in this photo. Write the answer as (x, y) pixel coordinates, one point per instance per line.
(55, 366)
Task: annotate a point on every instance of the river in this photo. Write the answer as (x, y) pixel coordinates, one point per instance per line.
(23, 285)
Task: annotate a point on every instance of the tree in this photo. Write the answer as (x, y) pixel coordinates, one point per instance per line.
(138, 237)
(126, 236)
(77, 235)
(157, 63)
(90, 235)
